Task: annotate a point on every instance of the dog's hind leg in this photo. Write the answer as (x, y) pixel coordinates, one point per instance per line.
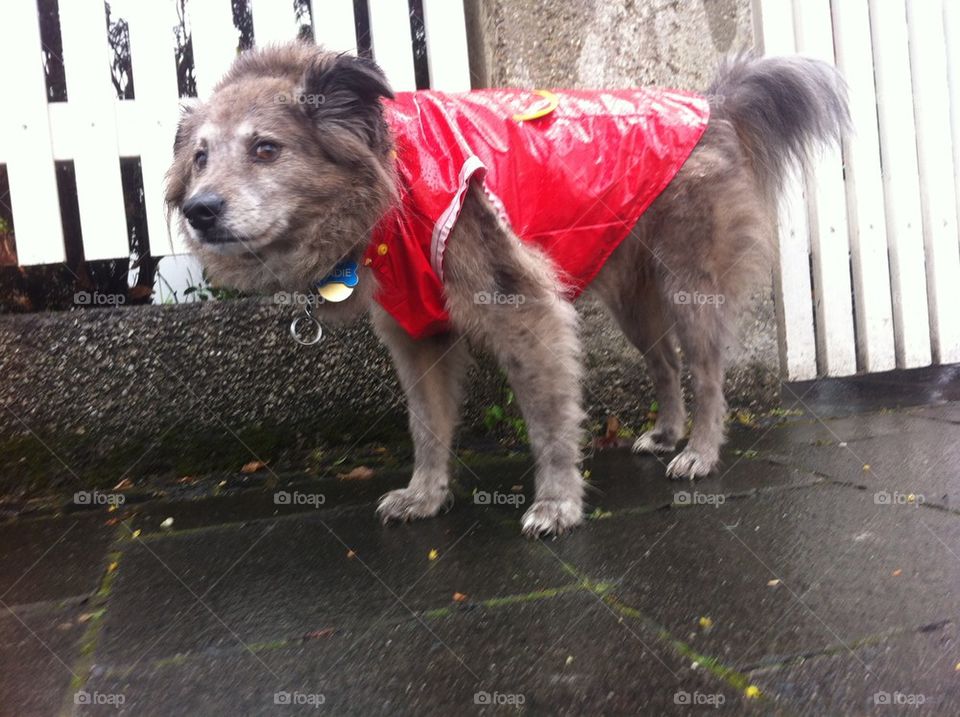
(702, 330)
(431, 372)
(638, 309)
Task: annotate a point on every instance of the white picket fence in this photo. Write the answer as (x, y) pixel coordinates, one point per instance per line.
(877, 222)
(94, 128)
(868, 276)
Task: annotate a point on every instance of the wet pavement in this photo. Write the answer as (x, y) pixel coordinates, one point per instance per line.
(818, 573)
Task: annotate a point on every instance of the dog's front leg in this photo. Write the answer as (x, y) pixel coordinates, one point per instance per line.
(430, 371)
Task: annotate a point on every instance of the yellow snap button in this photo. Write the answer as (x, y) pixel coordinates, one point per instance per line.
(545, 106)
(383, 249)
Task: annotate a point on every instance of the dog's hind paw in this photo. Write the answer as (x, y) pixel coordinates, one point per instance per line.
(690, 464)
(552, 517)
(652, 442)
(407, 504)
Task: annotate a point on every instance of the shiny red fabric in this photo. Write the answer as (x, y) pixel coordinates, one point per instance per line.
(573, 182)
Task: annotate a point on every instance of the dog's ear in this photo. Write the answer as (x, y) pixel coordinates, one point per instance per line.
(346, 90)
(184, 127)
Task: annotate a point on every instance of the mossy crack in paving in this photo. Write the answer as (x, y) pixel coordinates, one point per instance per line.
(97, 613)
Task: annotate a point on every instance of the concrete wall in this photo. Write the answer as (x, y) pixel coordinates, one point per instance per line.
(184, 388)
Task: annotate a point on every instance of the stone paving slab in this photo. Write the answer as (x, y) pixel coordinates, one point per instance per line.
(947, 412)
(53, 558)
(621, 480)
(37, 653)
(833, 550)
(568, 655)
(871, 392)
(663, 595)
(891, 455)
(281, 580)
(914, 674)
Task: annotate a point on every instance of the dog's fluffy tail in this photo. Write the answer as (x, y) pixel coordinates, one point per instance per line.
(782, 108)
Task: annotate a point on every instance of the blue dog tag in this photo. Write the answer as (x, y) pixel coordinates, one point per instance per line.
(343, 273)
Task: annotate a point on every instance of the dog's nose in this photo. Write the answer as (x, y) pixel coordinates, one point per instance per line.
(202, 210)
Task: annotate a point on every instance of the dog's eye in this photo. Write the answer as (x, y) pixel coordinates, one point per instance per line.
(266, 151)
(200, 159)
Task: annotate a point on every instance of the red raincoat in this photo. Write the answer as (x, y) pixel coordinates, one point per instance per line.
(573, 181)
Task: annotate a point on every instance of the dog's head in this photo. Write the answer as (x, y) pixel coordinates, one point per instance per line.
(285, 170)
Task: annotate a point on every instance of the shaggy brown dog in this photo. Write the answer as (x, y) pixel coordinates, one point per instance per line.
(273, 195)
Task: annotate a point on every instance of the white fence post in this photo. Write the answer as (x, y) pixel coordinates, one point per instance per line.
(829, 239)
(156, 116)
(773, 23)
(951, 26)
(274, 21)
(215, 41)
(96, 158)
(931, 101)
(891, 59)
(867, 223)
(392, 43)
(447, 57)
(25, 144)
(334, 26)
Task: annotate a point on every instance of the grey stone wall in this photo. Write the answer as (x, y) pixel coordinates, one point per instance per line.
(189, 388)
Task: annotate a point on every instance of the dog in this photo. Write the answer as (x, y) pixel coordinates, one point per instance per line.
(273, 194)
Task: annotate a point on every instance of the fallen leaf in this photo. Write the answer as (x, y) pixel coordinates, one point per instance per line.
(358, 473)
(125, 484)
(351, 555)
(433, 555)
(167, 524)
(459, 597)
(318, 634)
(136, 533)
(112, 566)
(516, 488)
(610, 435)
(120, 518)
(866, 467)
(706, 623)
(253, 467)
(752, 692)
(897, 573)
(773, 583)
(138, 292)
(186, 480)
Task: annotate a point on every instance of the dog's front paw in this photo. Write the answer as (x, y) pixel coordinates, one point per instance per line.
(552, 517)
(691, 464)
(653, 442)
(412, 503)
